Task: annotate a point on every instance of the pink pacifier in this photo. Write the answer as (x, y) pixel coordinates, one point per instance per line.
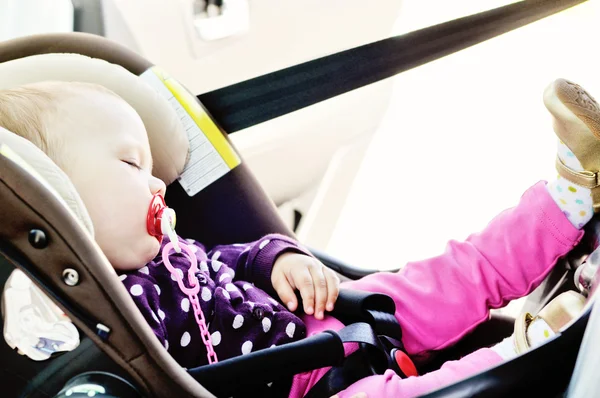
(161, 221)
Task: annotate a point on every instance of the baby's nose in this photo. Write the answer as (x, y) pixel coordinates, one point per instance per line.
(157, 186)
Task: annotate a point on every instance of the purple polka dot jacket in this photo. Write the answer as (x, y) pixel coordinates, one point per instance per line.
(241, 317)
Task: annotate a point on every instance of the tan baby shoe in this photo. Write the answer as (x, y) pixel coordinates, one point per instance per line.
(577, 124)
(557, 313)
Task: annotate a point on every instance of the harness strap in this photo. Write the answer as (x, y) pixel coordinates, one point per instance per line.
(258, 369)
(370, 322)
(373, 357)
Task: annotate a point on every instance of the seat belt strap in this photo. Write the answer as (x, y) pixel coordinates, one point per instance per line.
(266, 97)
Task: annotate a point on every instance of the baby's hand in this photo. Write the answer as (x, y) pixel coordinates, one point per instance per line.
(317, 284)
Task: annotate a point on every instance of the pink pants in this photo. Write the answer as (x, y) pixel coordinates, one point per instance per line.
(440, 300)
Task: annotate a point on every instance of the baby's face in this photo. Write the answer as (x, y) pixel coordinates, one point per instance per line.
(108, 160)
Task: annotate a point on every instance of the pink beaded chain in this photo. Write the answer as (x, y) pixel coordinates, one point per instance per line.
(192, 293)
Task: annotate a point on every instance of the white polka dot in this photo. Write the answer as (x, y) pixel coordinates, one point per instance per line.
(266, 322)
(216, 256)
(216, 265)
(161, 314)
(251, 304)
(144, 270)
(157, 289)
(247, 347)
(238, 321)
(190, 241)
(154, 316)
(206, 294)
(239, 244)
(180, 272)
(263, 243)
(231, 272)
(122, 277)
(223, 277)
(166, 344)
(136, 290)
(203, 266)
(226, 294)
(273, 345)
(216, 338)
(247, 286)
(290, 329)
(230, 287)
(185, 305)
(194, 248)
(185, 339)
(273, 301)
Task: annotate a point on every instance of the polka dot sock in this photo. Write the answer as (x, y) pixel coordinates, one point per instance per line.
(574, 201)
(537, 333)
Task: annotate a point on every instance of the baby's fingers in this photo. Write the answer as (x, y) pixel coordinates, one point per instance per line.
(320, 283)
(285, 291)
(304, 283)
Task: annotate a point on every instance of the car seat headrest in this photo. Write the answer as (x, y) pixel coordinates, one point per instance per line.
(49, 174)
(233, 195)
(168, 140)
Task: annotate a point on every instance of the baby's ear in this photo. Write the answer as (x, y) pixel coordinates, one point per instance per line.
(42, 168)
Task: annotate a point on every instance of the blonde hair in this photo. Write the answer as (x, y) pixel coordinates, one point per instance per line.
(28, 111)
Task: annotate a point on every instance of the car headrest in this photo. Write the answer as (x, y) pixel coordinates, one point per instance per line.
(168, 140)
(48, 173)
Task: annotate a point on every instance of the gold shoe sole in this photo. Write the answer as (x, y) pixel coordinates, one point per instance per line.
(576, 117)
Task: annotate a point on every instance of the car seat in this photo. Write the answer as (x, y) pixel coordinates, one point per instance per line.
(47, 236)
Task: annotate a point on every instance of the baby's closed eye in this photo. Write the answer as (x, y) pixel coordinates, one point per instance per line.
(132, 163)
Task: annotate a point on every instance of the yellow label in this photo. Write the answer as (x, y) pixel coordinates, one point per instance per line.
(211, 155)
(199, 115)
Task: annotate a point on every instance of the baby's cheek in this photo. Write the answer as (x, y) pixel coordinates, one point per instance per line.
(127, 252)
(143, 249)
(154, 250)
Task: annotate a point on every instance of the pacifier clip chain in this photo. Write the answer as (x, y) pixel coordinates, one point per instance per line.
(165, 217)
(192, 293)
